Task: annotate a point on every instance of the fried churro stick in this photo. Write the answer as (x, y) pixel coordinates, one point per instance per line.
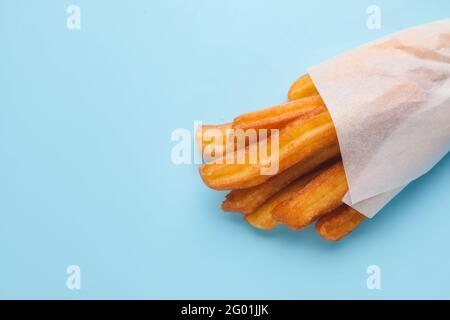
(276, 117)
(214, 140)
(247, 200)
(205, 137)
(262, 217)
(323, 194)
(339, 223)
(302, 87)
(298, 141)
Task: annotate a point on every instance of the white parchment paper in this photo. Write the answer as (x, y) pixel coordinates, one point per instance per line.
(390, 103)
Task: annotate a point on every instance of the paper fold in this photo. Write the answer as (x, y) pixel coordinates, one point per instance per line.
(390, 103)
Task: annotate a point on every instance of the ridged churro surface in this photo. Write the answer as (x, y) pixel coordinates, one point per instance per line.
(297, 142)
(310, 180)
(339, 223)
(247, 200)
(276, 117)
(323, 194)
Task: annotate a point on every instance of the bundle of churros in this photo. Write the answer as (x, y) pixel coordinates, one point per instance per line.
(306, 184)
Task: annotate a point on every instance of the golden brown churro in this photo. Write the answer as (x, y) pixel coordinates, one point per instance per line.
(262, 218)
(339, 223)
(276, 117)
(302, 87)
(309, 182)
(297, 142)
(323, 194)
(206, 136)
(247, 200)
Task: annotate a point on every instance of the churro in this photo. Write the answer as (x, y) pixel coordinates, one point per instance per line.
(276, 117)
(262, 217)
(247, 200)
(339, 223)
(309, 181)
(302, 87)
(321, 195)
(297, 141)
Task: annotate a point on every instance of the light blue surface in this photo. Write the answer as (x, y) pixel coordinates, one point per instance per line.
(85, 170)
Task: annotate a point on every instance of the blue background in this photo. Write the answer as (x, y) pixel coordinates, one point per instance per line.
(86, 176)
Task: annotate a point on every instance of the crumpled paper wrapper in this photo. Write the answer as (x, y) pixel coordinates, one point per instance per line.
(390, 103)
